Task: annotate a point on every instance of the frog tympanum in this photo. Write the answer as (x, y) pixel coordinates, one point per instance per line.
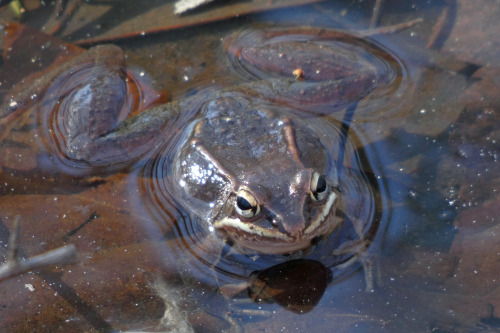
(250, 161)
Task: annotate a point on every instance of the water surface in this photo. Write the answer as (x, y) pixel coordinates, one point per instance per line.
(428, 149)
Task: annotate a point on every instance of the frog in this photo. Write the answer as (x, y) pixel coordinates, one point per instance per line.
(247, 161)
(275, 198)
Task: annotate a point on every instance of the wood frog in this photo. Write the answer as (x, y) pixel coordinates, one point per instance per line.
(251, 163)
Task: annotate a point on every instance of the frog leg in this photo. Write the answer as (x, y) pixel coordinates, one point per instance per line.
(329, 94)
(363, 255)
(86, 97)
(90, 99)
(371, 267)
(132, 138)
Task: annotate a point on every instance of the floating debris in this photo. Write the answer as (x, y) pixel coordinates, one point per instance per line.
(183, 6)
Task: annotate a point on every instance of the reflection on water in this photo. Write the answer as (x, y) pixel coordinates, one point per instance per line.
(419, 181)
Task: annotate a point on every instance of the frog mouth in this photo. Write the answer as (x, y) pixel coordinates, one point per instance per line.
(271, 241)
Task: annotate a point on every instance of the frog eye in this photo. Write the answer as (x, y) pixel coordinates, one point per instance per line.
(246, 205)
(318, 187)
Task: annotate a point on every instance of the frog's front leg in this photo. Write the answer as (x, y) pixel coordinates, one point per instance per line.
(363, 253)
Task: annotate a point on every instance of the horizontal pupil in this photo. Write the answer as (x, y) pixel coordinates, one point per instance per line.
(243, 204)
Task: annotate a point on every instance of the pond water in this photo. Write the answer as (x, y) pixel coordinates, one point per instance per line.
(417, 175)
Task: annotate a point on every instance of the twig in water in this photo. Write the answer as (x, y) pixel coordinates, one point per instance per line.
(16, 265)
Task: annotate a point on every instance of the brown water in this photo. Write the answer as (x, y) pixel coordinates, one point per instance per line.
(425, 153)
